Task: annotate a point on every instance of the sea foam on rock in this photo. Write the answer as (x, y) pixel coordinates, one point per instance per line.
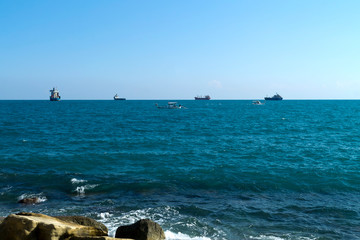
(31, 200)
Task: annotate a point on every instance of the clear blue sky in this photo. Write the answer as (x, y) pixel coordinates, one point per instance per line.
(177, 49)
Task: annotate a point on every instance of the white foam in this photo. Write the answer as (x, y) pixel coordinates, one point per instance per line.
(180, 236)
(81, 189)
(105, 215)
(77, 181)
(160, 215)
(40, 197)
(265, 237)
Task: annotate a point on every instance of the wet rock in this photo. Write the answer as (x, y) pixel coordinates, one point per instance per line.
(32, 200)
(1, 219)
(85, 221)
(33, 226)
(144, 229)
(97, 238)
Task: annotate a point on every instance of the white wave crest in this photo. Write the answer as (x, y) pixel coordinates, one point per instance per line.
(265, 237)
(161, 215)
(105, 215)
(81, 189)
(77, 181)
(180, 236)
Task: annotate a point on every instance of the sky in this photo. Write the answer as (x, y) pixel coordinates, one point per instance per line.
(178, 49)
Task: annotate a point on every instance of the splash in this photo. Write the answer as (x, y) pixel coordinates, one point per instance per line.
(77, 181)
(40, 197)
(180, 236)
(81, 189)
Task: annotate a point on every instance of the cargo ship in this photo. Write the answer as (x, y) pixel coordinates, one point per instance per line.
(276, 97)
(207, 97)
(55, 96)
(116, 97)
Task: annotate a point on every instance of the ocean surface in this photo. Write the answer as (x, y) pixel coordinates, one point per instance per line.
(216, 170)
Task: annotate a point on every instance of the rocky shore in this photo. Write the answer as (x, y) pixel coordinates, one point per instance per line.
(35, 226)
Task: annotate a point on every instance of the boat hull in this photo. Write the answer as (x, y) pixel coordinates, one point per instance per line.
(54, 99)
(119, 98)
(273, 99)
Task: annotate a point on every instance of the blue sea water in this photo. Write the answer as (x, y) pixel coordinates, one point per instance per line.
(216, 170)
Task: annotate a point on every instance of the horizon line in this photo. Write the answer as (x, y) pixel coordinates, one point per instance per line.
(163, 99)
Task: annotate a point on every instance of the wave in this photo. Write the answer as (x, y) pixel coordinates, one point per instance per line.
(270, 237)
(77, 181)
(180, 236)
(40, 196)
(81, 189)
(174, 224)
(106, 217)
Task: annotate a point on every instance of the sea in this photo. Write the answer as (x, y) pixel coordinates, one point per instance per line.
(218, 169)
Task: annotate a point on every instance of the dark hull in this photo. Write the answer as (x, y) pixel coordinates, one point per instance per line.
(119, 98)
(54, 99)
(196, 98)
(273, 99)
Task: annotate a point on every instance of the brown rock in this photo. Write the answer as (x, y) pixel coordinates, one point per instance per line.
(97, 238)
(145, 229)
(33, 226)
(1, 219)
(32, 200)
(85, 221)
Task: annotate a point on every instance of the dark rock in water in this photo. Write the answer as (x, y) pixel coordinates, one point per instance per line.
(1, 219)
(85, 221)
(145, 229)
(32, 200)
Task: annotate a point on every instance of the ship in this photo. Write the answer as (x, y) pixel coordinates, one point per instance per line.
(207, 97)
(116, 97)
(55, 96)
(276, 97)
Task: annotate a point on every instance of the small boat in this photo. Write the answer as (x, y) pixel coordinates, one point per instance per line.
(257, 103)
(276, 97)
(55, 95)
(207, 97)
(171, 105)
(116, 97)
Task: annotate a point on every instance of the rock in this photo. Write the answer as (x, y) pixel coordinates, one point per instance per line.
(33, 226)
(97, 238)
(1, 219)
(144, 229)
(85, 221)
(32, 200)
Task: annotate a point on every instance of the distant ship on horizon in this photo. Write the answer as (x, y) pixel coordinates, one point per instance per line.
(116, 97)
(55, 95)
(207, 97)
(276, 97)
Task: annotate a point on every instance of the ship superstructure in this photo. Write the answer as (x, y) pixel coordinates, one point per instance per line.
(116, 97)
(276, 97)
(207, 97)
(55, 95)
